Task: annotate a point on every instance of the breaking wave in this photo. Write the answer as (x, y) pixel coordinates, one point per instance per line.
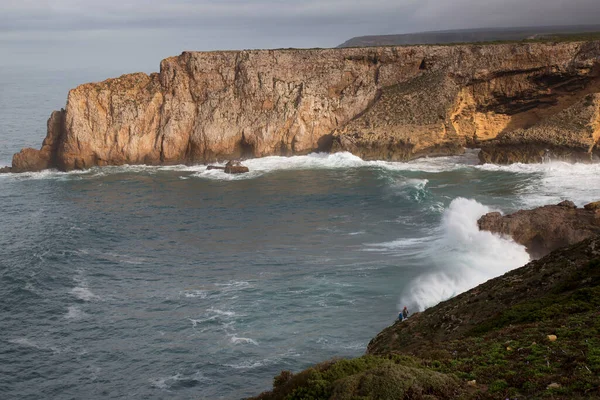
(463, 257)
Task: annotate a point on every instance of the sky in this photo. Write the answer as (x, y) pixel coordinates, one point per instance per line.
(134, 35)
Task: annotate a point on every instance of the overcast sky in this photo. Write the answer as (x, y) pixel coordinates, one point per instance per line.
(137, 34)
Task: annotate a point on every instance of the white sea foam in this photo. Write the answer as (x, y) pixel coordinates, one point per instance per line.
(195, 322)
(75, 313)
(221, 312)
(342, 160)
(250, 364)
(399, 245)
(202, 294)
(47, 174)
(463, 257)
(169, 382)
(555, 182)
(83, 293)
(26, 342)
(242, 340)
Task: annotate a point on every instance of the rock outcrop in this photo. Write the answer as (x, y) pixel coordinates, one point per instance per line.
(232, 167)
(571, 135)
(545, 229)
(235, 167)
(394, 103)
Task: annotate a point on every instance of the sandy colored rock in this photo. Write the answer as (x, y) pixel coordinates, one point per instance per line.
(392, 103)
(571, 135)
(545, 229)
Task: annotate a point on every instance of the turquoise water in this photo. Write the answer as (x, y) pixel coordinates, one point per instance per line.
(176, 282)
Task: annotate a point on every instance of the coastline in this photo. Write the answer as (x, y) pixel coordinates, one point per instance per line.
(515, 101)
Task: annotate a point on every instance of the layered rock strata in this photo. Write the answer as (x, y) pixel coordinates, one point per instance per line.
(545, 229)
(394, 103)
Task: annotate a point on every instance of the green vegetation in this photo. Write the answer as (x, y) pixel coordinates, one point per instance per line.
(368, 377)
(509, 355)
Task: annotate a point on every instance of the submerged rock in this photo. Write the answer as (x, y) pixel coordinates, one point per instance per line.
(232, 167)
(545, 229)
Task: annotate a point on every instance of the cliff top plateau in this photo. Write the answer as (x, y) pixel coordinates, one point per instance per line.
(531, 33)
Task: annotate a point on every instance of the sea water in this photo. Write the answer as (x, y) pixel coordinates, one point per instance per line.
(177, 282)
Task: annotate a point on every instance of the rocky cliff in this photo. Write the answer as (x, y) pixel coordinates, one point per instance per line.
(394, 103)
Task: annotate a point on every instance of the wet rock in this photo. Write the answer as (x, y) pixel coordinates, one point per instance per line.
(235, 167)
(211, 167)
(5, 170)
(545, 229)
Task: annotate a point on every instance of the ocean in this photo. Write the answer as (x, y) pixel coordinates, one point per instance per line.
(181, 283)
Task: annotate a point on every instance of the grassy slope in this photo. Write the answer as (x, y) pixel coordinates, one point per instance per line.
(495, 335)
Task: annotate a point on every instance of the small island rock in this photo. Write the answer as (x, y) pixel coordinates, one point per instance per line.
(235, 167)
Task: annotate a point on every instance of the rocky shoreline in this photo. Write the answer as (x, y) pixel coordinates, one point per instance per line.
(545, 229)
(531, 333)
(520, 102)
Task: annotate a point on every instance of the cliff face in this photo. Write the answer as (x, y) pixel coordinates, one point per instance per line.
(394, 103)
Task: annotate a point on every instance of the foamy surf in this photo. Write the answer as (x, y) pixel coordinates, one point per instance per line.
(242, 340)
(83, 293)
(178, 380)
(554, 181)
(463, 257)
(75, 313)
(332, 161)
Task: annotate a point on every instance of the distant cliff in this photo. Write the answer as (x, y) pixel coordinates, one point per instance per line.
(476, 35)
(394, 103)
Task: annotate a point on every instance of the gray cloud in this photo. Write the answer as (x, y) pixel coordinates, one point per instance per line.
(137, 33)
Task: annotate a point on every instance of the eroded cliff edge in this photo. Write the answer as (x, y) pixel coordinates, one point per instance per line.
(394, 103)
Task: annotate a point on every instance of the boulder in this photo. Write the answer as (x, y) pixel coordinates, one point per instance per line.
(235, 167)
(545, 229)
(5, 170)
